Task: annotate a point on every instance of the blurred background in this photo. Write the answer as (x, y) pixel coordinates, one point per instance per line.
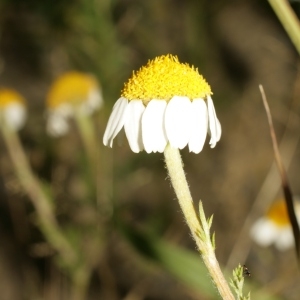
(128, 228)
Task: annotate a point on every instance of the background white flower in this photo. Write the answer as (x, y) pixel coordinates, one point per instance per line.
(274, 227)
(12, 109)
(72, 91)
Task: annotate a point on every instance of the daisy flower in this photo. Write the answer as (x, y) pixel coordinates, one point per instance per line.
(12, 109)
(274, 227)
(164, 107)
(71, 93)
(165, 102)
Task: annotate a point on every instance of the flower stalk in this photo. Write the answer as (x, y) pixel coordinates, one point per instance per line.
(199, 226)
(80, 273)
(88, 137)
(288, 19)
(37, 196)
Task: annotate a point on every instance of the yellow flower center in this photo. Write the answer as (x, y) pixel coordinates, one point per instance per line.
(163, 78)
(72, 87)
(8, 96)
(278, 213)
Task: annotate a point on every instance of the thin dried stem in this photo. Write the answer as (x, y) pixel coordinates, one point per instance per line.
(284, 181)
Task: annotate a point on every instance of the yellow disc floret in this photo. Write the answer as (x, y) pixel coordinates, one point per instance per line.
(163, 78)
(8, 96)
(72, 88)
(278, 213)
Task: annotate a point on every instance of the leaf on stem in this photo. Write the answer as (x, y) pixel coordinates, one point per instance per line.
(237, 283)
(206, 225)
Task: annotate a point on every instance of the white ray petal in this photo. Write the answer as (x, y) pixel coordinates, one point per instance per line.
(65, 110)
(93, 102)
(133, 125)
(199, 124)
(264, 232)
(95, 99)
(153, 131)
(177, 121)
(57, 125)
(214, 124)
(116, 121)
(285, 239)
(15, 115)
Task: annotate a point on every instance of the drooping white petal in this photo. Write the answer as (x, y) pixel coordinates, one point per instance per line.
(116, 121)
(64, 109)
(15, 115)
(285, 239)
(57, 124)
(177, 121)
(214, 124)
(264, 232)
(153, 130)
(199, 124)
(133, 125)
(93, 102)
(95, 99)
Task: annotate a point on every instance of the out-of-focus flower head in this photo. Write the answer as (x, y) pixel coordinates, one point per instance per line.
(71, 92)
(165, 102)
(274, 227)
(12, 109)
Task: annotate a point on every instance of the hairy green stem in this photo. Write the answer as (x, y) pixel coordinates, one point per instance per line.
(179, 182)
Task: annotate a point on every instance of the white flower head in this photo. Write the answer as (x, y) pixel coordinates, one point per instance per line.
(12, 109)
(165, 102)
(72, 91)
(274, 227)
